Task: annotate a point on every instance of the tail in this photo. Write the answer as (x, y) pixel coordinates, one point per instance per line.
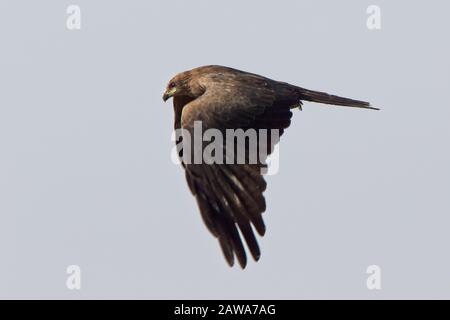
(322, 97)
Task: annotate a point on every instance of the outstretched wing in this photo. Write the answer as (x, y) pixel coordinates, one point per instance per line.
(230, 196)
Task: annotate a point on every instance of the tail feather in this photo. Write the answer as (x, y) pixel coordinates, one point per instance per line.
(323, 97)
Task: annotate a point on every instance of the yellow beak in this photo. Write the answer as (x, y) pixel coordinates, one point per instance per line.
(169, 93)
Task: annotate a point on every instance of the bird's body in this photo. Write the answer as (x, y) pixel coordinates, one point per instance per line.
(230, 195)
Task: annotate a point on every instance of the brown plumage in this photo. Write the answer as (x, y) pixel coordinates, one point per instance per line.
(230, 196)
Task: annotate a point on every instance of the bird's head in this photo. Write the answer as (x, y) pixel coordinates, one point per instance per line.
(177, 86)
(183, 84)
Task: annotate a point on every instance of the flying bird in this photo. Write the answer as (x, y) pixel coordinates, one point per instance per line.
(230, 196)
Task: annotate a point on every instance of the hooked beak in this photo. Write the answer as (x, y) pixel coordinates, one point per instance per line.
(168, 94)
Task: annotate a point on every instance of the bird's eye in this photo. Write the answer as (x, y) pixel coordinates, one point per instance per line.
(172, 85)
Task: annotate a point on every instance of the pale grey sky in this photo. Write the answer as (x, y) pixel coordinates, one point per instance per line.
(85, 170)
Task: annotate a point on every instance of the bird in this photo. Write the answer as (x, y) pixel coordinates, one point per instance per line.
(230, 195)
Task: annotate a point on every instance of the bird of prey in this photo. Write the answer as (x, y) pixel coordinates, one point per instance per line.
(230, 196)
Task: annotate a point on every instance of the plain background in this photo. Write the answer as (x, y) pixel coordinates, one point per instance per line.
(85, 170)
